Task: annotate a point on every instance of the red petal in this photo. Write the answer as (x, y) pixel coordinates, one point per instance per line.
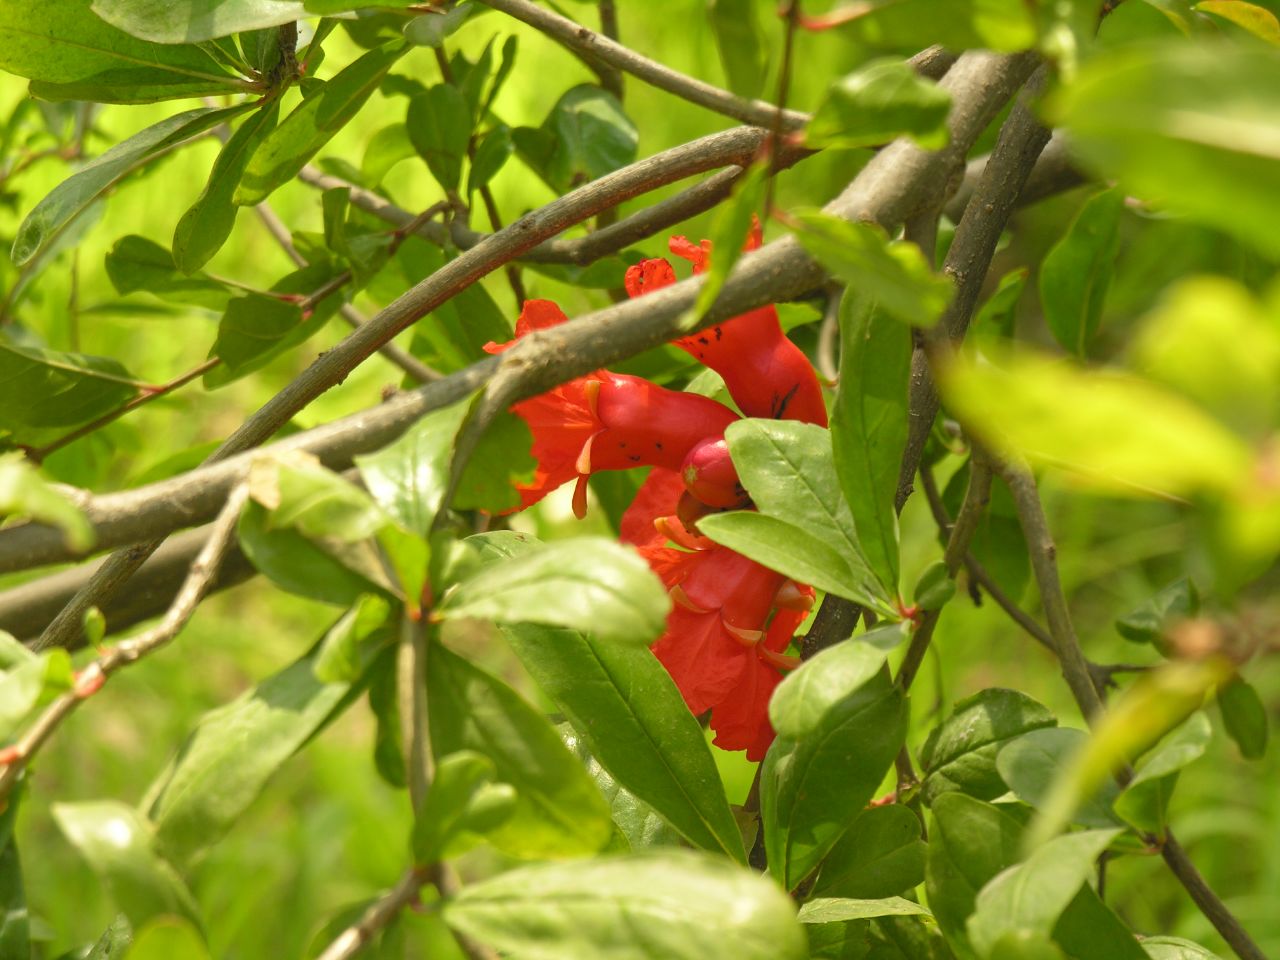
(647, 276)
(657, 497)
(704, 662)
(741, 719)
(697, 254)
(535, 315)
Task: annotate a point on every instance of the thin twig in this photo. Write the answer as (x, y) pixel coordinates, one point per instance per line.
(379, 916)
(611, 76)
(791, 15)
(578, 37)
(90, 680)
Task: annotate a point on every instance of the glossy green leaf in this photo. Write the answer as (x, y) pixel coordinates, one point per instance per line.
(632, 718)
(301, 494)
(1145, 801)
(191, 21)
(792, 551)
(1088, 928)
(1030, 763)
(894, 274)
(204, 228)
(1076, 273)
(168, 938)
(215, 777)
(869, 427)
(881, 100)
(25, 494)
(500, 460)
(813, 786)
(960, 754)
(671, 905)
(789, 469)
(384, 703)
(1178, 601)
(439, 124)
(558, 811)
(73, 196)
(313, 123)
(744, 52)
(588, 583)
(999, 311)
(970, 842)
(1256, 19)
(837, 909)
(1111, 430)
(118, 844)
(1194, 127)
(1244, 716)
(69, 53)
(881, 855)
(136, 264)
(1175, 948)
(385, 149)
(1033, 895)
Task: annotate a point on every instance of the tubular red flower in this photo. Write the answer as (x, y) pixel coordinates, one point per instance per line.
(606, 421)
(766, 374)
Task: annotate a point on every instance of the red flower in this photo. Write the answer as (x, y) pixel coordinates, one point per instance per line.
(766, 374)
(720, 646)
(606, 421)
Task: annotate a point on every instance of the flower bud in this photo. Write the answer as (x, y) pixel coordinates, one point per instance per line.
(709, 474)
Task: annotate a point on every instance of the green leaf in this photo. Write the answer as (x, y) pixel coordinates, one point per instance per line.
(138, 264)
(1076, 273)
(881, 855)
(303, 495)
(47, 388)
(894, 274)
(33, 680)
(73, 196)
(256, 328)
(69, 53)
(881, 100)
(1257, 20)
(1175, 948)
(585, 136)
(204, 228)
(193, 21)
(671, 905)
(445, 824)
(492, 153)
(347, 648)
(1144, 802)
(627, 709)
(558, 812)
(501, 459)
(1006, 25)
(1033, 895)
(236, 748)
(960, 754)
(789, 469)
(15, 920)
(385, 149)
(117, 844)
(1029, 764)
(587, 583)
(25, 494)
(1114, 431)
(850, 726)
(969, 843)
(744, 54)
(1245, 716)
(168, 938)
(792, 551)
(1194, 127)
(439, 123)
(1147, 624)
(869, 428)
(835, 910)
(1088, 928)
(115, 940)
(313, 123)
(1000, 309)
(1239, 380)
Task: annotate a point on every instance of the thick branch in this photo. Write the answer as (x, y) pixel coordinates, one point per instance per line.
(590, 43)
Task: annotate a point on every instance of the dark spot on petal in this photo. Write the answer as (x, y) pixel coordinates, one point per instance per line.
(779, 404)
(657, 444)
(719, 332)
(634, 458)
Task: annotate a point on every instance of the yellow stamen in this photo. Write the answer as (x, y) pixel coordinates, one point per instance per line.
(790, 597)
(681, 599)
(592, 390)
(580, 497)
(748, 638)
